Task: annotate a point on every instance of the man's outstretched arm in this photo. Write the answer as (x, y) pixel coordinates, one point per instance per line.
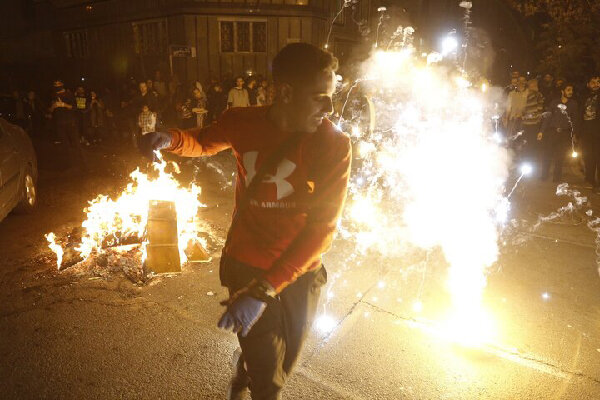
(193, 142)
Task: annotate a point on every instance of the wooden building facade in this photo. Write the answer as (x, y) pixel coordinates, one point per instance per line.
(194, 39)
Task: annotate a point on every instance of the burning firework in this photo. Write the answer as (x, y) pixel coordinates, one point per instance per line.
(116, 224)
(431, 174)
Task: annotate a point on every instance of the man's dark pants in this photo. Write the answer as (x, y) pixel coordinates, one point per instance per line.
(556, 145)
(273, 345)
(591, 149)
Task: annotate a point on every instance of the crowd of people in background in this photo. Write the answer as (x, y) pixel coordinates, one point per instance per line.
(85, 116)
(545, 118)
(548, 120)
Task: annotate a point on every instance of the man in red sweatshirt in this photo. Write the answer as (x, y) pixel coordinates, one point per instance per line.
(271, 262)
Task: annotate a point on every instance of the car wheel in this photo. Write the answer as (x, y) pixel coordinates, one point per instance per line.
(28, 201)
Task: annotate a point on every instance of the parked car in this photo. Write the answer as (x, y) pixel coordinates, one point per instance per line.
(18, 170)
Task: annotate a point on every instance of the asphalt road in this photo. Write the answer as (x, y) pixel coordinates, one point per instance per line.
(73, 337)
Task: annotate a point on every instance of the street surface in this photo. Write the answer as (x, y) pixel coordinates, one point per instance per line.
(82, 337)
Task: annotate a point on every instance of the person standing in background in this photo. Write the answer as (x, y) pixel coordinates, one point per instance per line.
(147, 120)
(217, 102)
(96, 118)
(558, 127)
(517, 100)
(34, 112)
(199, 105)
(252, 91)
(263, 93)
(81, 109)
(590, 131)
(532, 118)
(160, 85)
(62, 111)
(238, 95)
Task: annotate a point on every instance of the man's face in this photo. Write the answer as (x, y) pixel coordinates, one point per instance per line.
(311, 102)
(548, 78)
(513, 82)
(559, 83)
(514, 74)
(521, 82)
(143, 87)
(80, 91)
(568, 92)
(594, 84)
(239, 83)
(532, 85)
(196, 94)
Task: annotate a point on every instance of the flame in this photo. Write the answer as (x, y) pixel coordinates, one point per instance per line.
(55, 247)
(111, 221)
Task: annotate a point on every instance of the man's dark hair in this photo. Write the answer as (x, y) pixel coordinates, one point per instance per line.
(595, 75)
(297, 63)
(566, 85)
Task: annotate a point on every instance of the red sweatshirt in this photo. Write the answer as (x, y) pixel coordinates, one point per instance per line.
(293, 214)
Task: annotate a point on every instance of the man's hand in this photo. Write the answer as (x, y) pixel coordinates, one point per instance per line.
(242, 314)
(540, 135)
(246, 306)
(154, 141)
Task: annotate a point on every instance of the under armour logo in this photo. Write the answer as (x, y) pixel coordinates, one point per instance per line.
(284, 170)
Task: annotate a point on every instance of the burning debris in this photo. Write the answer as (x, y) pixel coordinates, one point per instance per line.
(151, 227)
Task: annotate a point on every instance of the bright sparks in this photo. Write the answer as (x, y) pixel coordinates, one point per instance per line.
(526, 169)
(432, 175)
(325, 324)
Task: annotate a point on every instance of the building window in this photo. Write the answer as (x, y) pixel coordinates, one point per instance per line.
(227, 37)
(259, 37)
(243, 36)
(76, 44)
(150, 37)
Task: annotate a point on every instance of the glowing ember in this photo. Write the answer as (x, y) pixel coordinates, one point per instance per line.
(111, 223)
(325, 324)
(526, 169)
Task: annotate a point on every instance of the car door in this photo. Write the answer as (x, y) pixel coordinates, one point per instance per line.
(10, 169)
